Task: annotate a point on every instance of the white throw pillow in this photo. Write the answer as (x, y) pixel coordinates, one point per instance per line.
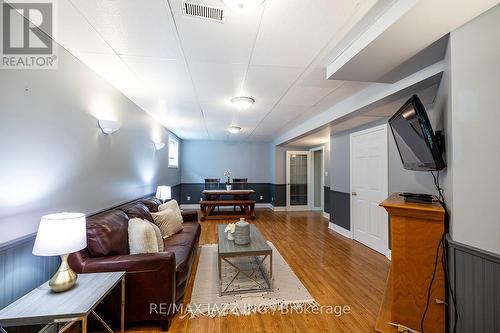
(159, 238)
(169, 221)
(141, 237)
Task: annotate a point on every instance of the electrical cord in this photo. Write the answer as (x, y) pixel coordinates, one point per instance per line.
(444, 260)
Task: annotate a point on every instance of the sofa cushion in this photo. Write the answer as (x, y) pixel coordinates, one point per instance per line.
(137, 210)
(152, 204)
(183, 260)
(107, 234)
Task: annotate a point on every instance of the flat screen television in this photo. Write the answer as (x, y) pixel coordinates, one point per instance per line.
(415, 139)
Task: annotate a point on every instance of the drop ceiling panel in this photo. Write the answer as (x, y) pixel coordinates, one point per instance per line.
(217, 83)
(228, 42)
(167, 79)
(268, 84)
(72, 23)
(305, 96)
(114, 70)
(343, 91)
(140, 28)
(294, 31)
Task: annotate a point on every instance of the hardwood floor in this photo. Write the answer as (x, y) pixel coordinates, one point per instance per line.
(335, 270)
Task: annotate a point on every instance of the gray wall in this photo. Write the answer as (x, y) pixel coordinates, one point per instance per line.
(209, 159)
(54, 156)
(475, 67)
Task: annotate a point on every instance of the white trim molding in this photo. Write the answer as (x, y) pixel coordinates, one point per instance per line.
(340, 230)
(326, 216)
(278, 208)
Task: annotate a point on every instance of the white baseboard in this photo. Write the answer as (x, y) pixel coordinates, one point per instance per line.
(338, 229)
(278, 209)
(326, 216)
(388, 254)
(190, 206)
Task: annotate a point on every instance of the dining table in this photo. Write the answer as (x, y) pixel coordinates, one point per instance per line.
(240, 200)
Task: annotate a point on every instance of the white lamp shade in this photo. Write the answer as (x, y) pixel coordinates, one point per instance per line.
(164, 192)
(61, 233)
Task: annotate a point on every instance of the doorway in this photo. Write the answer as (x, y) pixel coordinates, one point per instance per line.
(369, 187)
(317, 160)
(298, 166)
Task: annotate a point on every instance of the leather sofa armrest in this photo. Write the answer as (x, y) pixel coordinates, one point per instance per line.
(190, 216)
(132, 263)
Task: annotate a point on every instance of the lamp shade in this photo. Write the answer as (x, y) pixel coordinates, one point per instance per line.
(61, 233)
(164, 193)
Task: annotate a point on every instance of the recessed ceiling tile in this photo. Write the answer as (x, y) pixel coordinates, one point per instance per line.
(293, 32)
(268, 84)
(140, 28)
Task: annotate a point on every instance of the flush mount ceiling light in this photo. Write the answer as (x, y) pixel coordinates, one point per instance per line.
(242, 5)
(234, 129)
(242, 102)
(108, 126)
(159, 145)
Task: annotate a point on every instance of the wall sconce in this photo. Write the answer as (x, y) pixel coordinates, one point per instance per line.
(159, 145)
(108, 126)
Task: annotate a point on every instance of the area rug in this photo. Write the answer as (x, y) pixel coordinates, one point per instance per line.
(288, 292)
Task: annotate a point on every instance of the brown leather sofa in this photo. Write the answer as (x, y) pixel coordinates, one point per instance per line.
(154, 283)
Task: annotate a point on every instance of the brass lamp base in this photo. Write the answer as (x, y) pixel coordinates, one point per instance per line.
(65, 278)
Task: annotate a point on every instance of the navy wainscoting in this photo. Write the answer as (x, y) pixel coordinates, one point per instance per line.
(340, 209)
(190, 193)
(21, 271)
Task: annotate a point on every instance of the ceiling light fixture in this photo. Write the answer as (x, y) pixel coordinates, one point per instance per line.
(242, 102)
(242, 5)
(234, 129)
(108, 126)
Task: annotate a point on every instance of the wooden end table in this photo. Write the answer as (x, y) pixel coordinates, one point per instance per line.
(42, 306)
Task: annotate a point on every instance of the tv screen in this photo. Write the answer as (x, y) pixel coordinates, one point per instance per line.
(415, 138)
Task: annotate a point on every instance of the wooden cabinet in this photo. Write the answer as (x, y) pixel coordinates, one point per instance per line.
(416, 230)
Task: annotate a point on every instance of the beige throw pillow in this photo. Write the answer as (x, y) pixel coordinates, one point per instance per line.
(159, 238)
(169, 221)
(141, 237)
(172, 204)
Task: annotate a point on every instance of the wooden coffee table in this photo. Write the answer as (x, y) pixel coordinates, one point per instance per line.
(257, 251)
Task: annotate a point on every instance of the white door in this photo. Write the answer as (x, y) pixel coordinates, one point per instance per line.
(298, 183)
(369, 187)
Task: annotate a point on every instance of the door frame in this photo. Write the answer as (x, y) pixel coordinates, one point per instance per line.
(384, 128)
(322, 183)
(303, 207)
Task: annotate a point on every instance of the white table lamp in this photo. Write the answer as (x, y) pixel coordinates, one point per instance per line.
(164, 193)
(59, 235)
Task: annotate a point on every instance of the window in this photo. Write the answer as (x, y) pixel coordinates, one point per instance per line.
(173, 153)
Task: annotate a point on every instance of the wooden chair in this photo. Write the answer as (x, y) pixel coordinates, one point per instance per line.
(239, 184)
(212, 184)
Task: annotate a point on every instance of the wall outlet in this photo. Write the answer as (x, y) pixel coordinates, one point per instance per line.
(261, 197)
(188, 198)
(272, 199)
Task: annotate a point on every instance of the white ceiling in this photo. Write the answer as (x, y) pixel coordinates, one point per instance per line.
(184, 70)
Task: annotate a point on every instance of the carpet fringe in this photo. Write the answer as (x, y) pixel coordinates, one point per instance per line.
(235, 309)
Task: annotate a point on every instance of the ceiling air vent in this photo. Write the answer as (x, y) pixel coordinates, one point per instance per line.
(203, 11)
